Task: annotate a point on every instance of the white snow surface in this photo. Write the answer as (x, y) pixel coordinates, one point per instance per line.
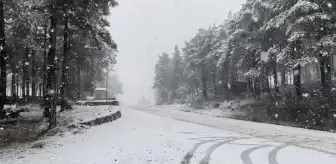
(76, 115)
(151, 135)
(87, 113)
(219, 112)
(311, 139)
(225, 109)
(88, 101)
(100, 89)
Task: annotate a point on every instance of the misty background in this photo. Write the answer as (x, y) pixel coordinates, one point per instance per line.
(145, 29)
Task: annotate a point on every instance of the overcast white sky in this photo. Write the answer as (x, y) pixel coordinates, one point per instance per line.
(143, 29)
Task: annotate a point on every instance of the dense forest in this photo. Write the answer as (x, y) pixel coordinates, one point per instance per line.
(53, 50)
(280, 52)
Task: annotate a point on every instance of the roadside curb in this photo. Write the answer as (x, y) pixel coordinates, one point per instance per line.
(85, 124)
(95, 122)
(102, 120)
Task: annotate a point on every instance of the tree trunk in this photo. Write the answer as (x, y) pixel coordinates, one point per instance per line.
(267, 82)
(275, 78)
(257, 87)
(214, 79)
(41, 90)
(33, 77)
(297, 69)
(204, 84)
(225, 81)
(17, 84)
(25, 78)
(13, 89)
(297, 80)
(56, 78)
(64, 81)
(250, 89)
(44, 81)
(3, 81)
(162, 97)
(107, 81)
(50, 99)
(328, 77)
(92, 78)
(3, 54)
(325, 70)
(262, 77)
(256, 80)
(322, 71)
(325, 73)
(79, 82)
(283, 77)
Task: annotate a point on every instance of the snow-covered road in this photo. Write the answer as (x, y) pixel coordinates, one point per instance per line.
(150, 136)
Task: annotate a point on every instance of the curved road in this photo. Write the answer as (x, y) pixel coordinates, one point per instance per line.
(145, 136)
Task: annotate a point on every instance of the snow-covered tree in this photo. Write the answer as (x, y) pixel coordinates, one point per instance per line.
(177, 76)
(44, 40)
(281, 49)
(163, 78)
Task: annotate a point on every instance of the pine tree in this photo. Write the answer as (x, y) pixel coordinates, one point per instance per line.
(163, 78)
(177, 73)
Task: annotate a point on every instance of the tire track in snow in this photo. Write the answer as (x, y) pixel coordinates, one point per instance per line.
(315, 149)
(186, 159)
(245, 155)
(200, 138)
(273, 154)
(197, 133)
(210, 150)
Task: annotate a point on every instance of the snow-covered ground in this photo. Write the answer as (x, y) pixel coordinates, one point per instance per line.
(318, 140)
(77, 115)
(87, 113)
(217, 112)
(151, 135)
(32, 124)
(224, 109)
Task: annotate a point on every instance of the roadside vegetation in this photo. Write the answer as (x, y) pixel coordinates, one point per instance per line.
(53, 52)
(280, 53)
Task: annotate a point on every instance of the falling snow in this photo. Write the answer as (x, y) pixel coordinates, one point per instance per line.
(276, 115)
(305, 95)
(51, 91)
(296, 72)
(230, 69)
(330, 5)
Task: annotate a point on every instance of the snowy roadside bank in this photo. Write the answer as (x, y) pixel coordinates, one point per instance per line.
(227, 109)
(316, 140)
(85, 114)
(71, 124)
(251, 110)
(32, 126)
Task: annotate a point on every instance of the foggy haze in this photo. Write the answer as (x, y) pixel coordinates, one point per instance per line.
(168, 81)
(144, 29)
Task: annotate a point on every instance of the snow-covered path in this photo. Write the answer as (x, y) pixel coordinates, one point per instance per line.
(141, 137)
